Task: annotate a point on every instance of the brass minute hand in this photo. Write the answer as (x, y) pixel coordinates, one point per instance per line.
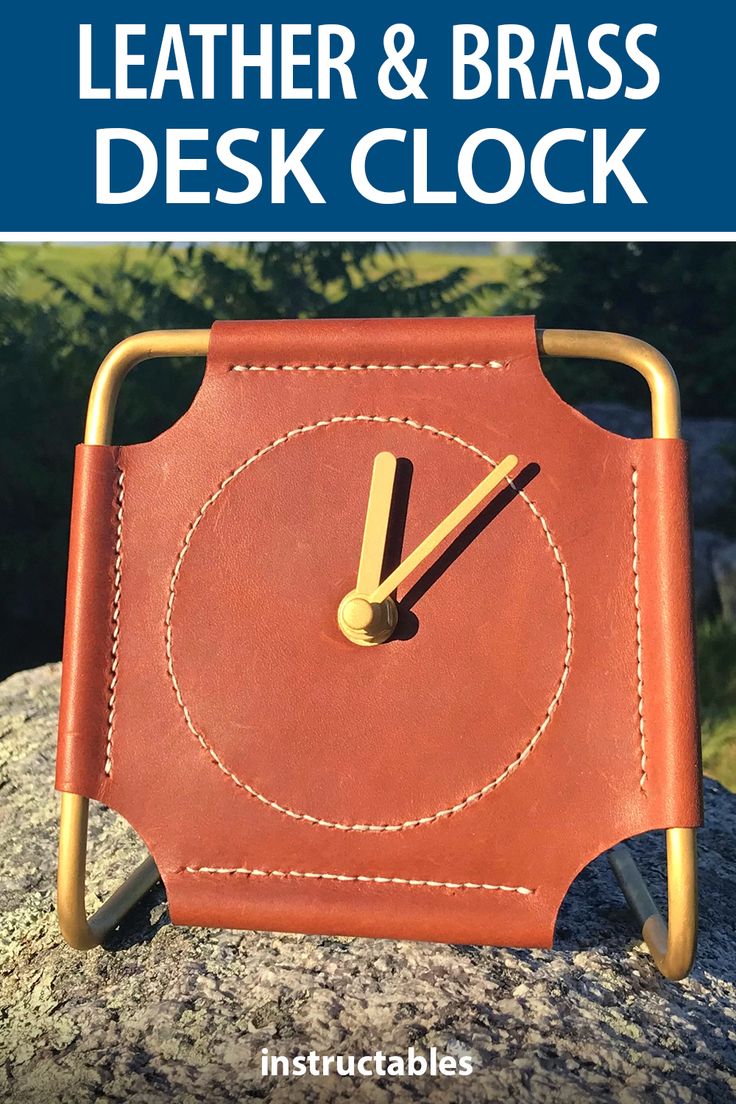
(445, 527)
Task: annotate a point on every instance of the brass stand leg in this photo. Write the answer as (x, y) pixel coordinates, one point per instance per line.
(673, 947)
(78, 931)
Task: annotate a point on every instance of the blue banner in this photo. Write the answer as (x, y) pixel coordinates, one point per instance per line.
(224, 119)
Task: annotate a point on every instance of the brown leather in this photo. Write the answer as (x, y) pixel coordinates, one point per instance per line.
(88, 628)
(536, 707)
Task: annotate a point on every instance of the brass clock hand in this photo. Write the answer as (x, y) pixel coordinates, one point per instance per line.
(445, 527)
(377, 515)
(359, 620)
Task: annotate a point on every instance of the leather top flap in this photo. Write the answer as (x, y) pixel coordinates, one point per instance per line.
(363, 342)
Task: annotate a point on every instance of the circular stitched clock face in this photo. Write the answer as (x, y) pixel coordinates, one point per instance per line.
(404, 732)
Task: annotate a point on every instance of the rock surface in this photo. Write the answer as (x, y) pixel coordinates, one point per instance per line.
(182, 1014)
(724, 570)
(706, 546)
(712, 444)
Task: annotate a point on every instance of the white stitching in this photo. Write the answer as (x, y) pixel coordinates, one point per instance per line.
(115, 622)
(471, 798)
(361, 367)
(637, 606)
(351, 878)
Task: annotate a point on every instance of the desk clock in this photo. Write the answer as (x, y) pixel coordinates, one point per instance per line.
(382, 637)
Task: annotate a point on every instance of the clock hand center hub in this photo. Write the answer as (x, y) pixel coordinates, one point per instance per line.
(358, 614)
(365, 622)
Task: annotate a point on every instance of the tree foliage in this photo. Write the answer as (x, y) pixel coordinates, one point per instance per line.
(679, 296)
(51, 344)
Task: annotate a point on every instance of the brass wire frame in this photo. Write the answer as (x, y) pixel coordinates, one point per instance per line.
(672, 947)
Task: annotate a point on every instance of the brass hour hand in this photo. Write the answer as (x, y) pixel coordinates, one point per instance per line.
(359, 620)
(377, 517)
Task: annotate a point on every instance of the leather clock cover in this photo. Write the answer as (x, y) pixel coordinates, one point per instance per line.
(535, 706)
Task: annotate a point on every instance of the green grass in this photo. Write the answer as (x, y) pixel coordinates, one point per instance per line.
(76, 263)
(433, 266)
